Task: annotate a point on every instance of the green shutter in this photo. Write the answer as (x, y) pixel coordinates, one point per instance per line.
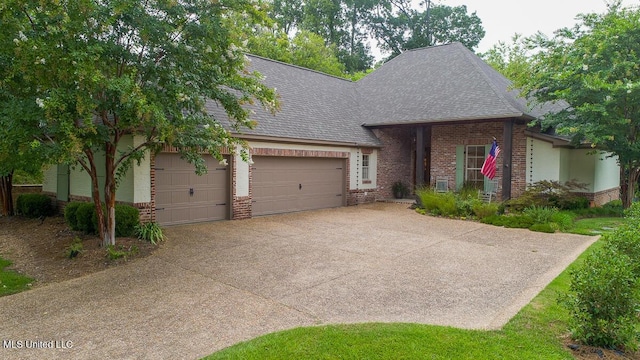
(459, 166)
(487, 189)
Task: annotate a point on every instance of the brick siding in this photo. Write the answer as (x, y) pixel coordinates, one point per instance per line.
(395, 159)
(602, 197)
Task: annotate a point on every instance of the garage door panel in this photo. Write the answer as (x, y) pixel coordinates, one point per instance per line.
(282, 184)
(175, 204)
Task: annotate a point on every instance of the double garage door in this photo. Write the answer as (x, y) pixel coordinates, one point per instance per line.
(279, 185)
(286, 184)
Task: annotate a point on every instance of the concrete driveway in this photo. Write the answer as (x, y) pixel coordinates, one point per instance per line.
(212, 285)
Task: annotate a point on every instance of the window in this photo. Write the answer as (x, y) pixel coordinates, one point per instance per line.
(473, 165)
(365, 167)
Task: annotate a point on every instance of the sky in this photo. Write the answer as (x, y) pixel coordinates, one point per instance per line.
(501, 19)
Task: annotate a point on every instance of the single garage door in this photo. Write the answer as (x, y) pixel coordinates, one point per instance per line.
(285, 184)
(184, 197)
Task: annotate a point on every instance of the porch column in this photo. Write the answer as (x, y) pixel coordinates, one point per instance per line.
(507, 149)
(420, 156)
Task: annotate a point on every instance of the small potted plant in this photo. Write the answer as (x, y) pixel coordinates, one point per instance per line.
(399, 189)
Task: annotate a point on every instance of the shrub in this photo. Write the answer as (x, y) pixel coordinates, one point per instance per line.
(127, 218)
(603, 300)
(540, 214)
(626, 240)
(438, 203)
(509, 221)
(482, 210)
(545, 228)
(70, 215)
(74, 249)
(34, 205)
(151, 232)
(633, 212)
(550, 194)
(563, 219)
(465, 205)
(84, 217)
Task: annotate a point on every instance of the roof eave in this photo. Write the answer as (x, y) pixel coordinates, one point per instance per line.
(289, 140)
(452, 120)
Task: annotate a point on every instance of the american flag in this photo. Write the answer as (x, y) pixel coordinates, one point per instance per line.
(489, 166)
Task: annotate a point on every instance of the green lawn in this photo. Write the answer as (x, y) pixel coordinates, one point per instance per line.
(596, 226)
(10, 281)
(534, 333)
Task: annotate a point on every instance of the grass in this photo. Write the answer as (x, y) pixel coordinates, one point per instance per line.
(536, 332)
(596, 226)
(10, 281)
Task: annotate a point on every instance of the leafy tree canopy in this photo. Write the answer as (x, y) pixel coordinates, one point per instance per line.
(398, 26)
(595, 68)
(99, 71)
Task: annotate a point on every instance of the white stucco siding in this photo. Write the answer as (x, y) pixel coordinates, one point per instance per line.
(242, 175)
(134, 187)
(79, 182)
(582, 167)
(355, 162)
(50, 180)
(543, 161)
(607, 172)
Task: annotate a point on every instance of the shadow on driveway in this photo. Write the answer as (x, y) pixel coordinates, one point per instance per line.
(214, 284)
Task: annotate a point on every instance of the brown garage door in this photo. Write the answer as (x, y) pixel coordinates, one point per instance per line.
(184, 197)
(283, 184)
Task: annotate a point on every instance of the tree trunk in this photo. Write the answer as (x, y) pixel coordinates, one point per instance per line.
(95, 194)
(110, 195)
(628, 180)
(6, 197)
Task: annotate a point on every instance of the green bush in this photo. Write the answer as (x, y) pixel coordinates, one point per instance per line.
(626, 240)
(70, 215)
(465, 205)
(633, 212)
(481, 210)
(572, 203)
(509, 221)
(545, 228)
(563, 219)
(34, 205)
(127, 218)
(603, 300)
(550, 194)
(84, 218)
(540, 214)
(151, 232)
(438, 203)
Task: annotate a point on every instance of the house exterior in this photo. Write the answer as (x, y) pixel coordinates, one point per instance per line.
(427, 114)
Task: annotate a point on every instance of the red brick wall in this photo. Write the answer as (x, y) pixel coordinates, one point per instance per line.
(602, 197)
(395, 159)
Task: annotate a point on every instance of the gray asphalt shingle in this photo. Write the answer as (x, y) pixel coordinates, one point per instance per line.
(437, 84)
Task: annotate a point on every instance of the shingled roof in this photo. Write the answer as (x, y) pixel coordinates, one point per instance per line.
(440, 84)
(314, 106)
(437, 84)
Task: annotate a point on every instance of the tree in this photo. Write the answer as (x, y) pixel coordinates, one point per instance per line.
(398, 26)
(18, 148)
(595, 68)
(511, 60)
(101, 71)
